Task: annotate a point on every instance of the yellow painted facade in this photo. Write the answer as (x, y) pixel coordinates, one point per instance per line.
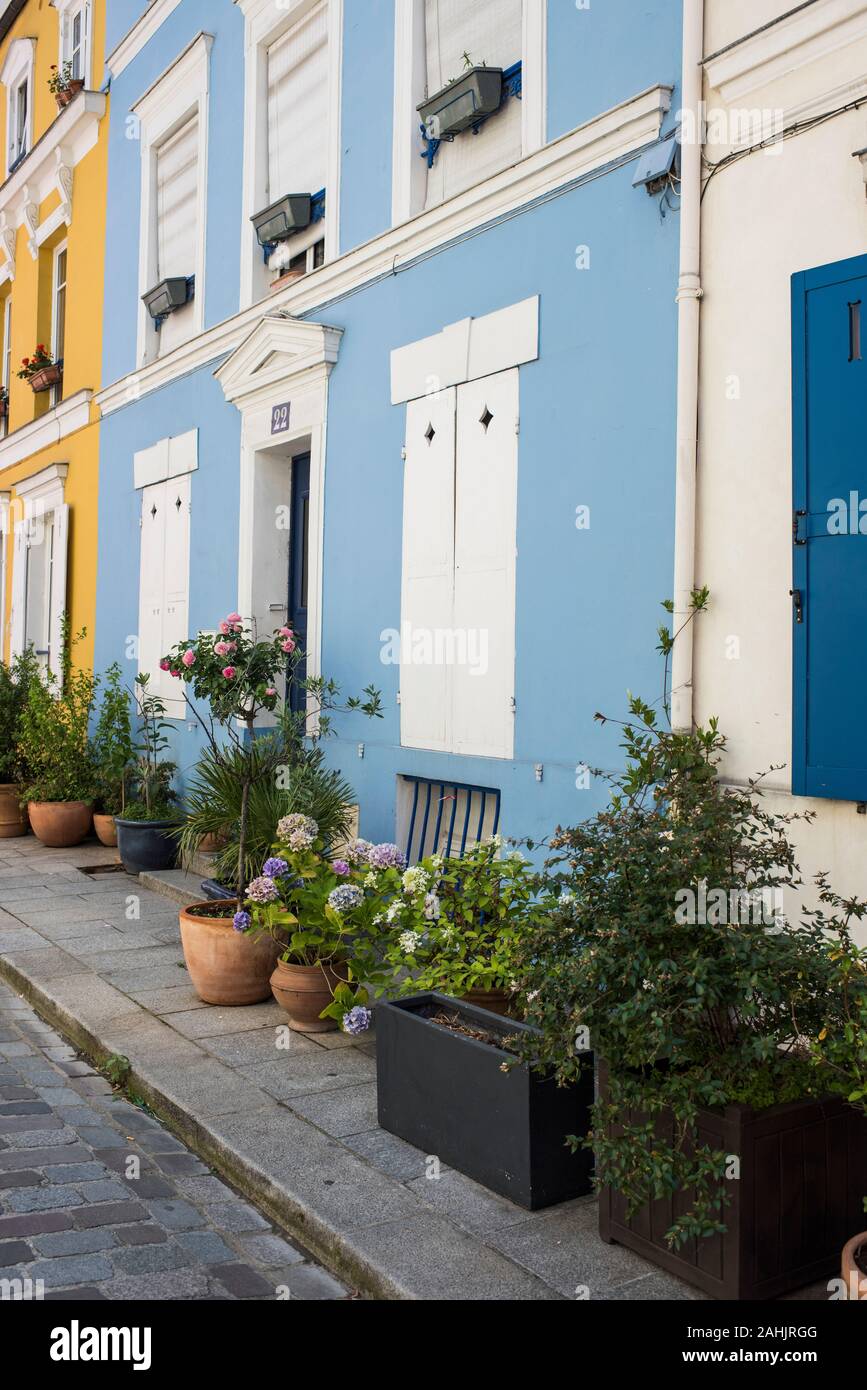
(52, 200)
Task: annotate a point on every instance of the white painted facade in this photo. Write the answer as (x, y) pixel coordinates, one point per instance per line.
(765, 216)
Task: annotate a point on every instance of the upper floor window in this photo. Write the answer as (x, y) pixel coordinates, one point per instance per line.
(58, 313)
(458, 35)
(75, 26)
(298, 108)
(17, 77)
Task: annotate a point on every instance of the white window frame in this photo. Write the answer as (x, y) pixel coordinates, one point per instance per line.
(6, 371)
(37, 497)
(5, 498)
(17, 72)
(408, 183)
(179, 95)
(66, 13)
(57, 391)
(264, 24)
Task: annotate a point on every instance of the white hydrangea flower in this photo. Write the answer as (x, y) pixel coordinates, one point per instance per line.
(431, 907)
(416, 880)
(409, 941)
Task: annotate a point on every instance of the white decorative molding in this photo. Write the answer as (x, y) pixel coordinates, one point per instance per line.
(49, 167)
(408, 173)
(466, 350)
(139, 35)
(44, 486)
(611, 137)
(64, 419)
(534, 78)
(8, 239)
(794, 41)
(279, 348)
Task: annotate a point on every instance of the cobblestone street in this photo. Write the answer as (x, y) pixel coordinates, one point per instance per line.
(73, 1216)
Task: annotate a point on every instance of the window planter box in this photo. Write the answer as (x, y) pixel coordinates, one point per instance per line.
(445, 1092)
(46, 377)
(457, 107)
(283, 218)
(68, 93)
(800, 1195)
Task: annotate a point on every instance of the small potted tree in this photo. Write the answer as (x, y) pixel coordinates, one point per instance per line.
(41, 370)
(54, 745)
(63, 86)
(147, 830)
(15, 682)
(114, 752)
(236, 677)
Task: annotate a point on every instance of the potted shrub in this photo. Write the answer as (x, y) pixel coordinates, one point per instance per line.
(237, 677)
(113, 751)
(147, 829)
(320, 913)
(669, 953)
(54, 746)
(15, 681)
(41, 370)
(463, 101)
(63, 85)
(841, 1049)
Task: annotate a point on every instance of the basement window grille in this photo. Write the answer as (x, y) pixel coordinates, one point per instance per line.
(442, 817)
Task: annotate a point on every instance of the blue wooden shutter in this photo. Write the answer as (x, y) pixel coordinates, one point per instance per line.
(829, 611)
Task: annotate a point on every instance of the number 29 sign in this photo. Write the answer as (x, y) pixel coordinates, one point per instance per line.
(280, 418)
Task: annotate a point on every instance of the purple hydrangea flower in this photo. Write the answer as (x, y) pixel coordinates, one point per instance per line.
(262, 890)
(340, 867)
(358, 851)
(357, 1020)
(275, 868)
(241, 921)
(345, 897)
(386, 857)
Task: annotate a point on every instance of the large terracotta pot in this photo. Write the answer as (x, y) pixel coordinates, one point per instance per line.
(106, 830)
(59, 824)
(496, 1001)
(226, 967)
(855, 1274)
(13, 816)
(303, 991)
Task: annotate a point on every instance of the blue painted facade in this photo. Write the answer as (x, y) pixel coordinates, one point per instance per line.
(597, 409)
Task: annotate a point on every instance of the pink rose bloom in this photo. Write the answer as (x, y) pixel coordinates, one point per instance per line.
(234, 618)
(288, 645)
(164, 665)
(176, 674)
(188, 657)
(229, 672)
(222, 648)
(286, 632)
(224, 626)
(231, 646)
(270, 690)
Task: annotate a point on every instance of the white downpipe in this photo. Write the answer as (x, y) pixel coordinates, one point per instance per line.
(689, 293)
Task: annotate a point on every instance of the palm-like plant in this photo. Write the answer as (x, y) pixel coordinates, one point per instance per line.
(214, 804)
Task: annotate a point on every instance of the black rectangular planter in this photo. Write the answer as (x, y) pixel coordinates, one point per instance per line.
(803, 1177)
(447, 1094)
(457, 107)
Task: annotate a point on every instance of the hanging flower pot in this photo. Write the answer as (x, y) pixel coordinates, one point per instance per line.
(40, 370)
(46, 377)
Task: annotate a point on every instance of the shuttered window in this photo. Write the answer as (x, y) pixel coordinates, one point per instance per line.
(298, 108)
(490, 32)
(177, 201)
(458, 585)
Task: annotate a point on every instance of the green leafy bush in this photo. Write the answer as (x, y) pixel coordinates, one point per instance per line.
(54, 743)
(113, 745)
(15, 682)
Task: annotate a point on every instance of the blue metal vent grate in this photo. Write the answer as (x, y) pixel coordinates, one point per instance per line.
(444, 817)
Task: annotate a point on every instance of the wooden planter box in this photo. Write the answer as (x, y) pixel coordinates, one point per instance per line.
(446, 1093)
(799, 1198)
(46, 377)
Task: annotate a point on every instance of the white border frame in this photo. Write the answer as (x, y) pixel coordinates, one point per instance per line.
(18, 68)
(56, 391)
(264, 23)
(66, 10)
(179, 95)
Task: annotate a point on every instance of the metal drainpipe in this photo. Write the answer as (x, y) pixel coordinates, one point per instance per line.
(689, 294)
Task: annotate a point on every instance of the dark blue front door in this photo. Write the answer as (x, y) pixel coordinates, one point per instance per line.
(299, 545)
(829, 531)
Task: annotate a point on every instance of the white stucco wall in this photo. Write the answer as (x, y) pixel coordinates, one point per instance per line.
(764, 218)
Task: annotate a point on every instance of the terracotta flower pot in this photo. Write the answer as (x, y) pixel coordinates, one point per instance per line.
(45, 378)
(67, 93)
(59, 824)
(854, 1267)
(13, 816)
(497, 1001)
(106, 830)
(226, 967)
(303, 991)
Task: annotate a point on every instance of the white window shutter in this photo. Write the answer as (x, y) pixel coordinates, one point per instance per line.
(428, 567)
(177, 201)
(176, 573)
(490, 31)
(486, 480)
(298, 107)
(150, 612)
(19, 587)
(57, 601)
